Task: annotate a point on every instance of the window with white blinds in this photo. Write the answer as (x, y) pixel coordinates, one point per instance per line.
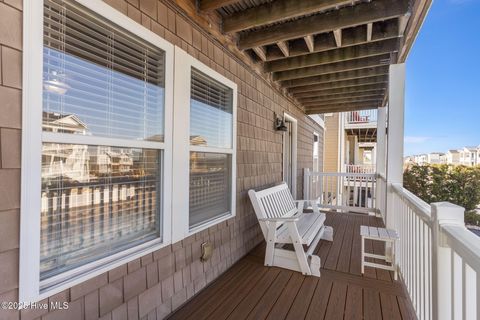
(103, 194)
(108, 82)
(211, 129)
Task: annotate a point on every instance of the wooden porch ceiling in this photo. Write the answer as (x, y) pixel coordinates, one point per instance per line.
(317, 48)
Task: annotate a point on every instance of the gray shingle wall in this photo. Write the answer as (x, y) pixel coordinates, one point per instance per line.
(154, 285)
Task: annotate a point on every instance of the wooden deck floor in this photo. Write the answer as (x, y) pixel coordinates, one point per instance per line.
(249, 290)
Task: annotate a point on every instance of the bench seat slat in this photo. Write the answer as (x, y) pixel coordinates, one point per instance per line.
(308, 227)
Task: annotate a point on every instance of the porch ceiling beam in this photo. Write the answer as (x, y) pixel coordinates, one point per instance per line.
(377, 99)
(340, 108)
(310, 42)
(341, 76)
(342, 66)
(283, 46)
(341, 84)
(261, 52)
(332, 56)
(365, 88)
(209, 5)
(341, 97)
(276, 11)
(359, 14)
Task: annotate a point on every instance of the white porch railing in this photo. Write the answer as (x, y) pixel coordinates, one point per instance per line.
(360, 168)
(361, 116)
(344, 191)
(438, 258)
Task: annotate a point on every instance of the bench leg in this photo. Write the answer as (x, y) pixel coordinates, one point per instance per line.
(270, 250)
(327, 233)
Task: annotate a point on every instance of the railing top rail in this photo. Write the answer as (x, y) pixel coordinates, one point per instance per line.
(343, 174)
(464, 243)
(422, 208)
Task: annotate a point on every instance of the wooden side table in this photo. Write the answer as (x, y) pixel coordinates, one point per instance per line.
(388, 236)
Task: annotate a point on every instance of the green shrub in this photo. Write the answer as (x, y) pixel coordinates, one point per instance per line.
(433, 183)
(472, 218)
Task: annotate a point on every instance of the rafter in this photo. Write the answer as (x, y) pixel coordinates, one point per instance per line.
(333, 68)
(209, 5)
(261, 52)
(340, 108)
(373, 99)
(283, 46)
(358, 89)
(363, 13)
(340, 84)
(337, 34)
(348, 75)
(369, 31)
(331, 97)
(402, 23)
(310, 42)
(276, 11)
(350, 37)
(332, 56)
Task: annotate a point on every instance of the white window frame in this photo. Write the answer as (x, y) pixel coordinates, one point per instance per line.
(181, 157)
(30, 287)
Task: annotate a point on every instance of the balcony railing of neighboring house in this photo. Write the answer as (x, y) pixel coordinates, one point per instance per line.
(361, 116)
(437, 257)
(343, 191)
(360, 168)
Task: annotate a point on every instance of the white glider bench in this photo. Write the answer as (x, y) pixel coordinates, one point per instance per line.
(283, 221)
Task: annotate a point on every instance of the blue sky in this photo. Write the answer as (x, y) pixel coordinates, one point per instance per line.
(443, 80)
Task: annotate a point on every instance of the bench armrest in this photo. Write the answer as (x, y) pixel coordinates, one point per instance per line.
(281, 219)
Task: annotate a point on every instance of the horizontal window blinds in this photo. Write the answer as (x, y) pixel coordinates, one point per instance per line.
(111, 81)
(210, 112)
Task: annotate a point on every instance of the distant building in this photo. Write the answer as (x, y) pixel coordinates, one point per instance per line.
(468, 156)
(420, 159)
(435, 157)
(453, 157)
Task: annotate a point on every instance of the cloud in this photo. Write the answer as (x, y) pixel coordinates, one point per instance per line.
(416, 139)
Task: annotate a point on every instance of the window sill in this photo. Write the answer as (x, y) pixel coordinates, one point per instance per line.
(68, 279)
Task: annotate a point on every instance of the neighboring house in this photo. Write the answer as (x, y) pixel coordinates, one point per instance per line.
(435, 158)
(468, 156)
(421, 159)
(351, 136)
(159, 116)
(453, 157)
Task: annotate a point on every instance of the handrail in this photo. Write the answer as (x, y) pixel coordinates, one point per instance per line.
(464, 242)
(343, 174)
(422, 208)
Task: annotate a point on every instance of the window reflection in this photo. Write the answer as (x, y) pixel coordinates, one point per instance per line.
(96, 200)
(105, 102)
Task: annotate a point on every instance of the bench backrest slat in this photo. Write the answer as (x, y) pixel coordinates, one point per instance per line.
(273, 202)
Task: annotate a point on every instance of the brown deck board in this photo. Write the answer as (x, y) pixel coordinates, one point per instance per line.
(354, 308)
(336, 303)
(249, 290)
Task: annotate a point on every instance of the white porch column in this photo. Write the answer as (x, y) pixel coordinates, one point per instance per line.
(381, 147)
(380, 159)
(396, 106)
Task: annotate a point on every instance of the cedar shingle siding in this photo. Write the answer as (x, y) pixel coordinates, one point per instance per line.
(154, 285)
